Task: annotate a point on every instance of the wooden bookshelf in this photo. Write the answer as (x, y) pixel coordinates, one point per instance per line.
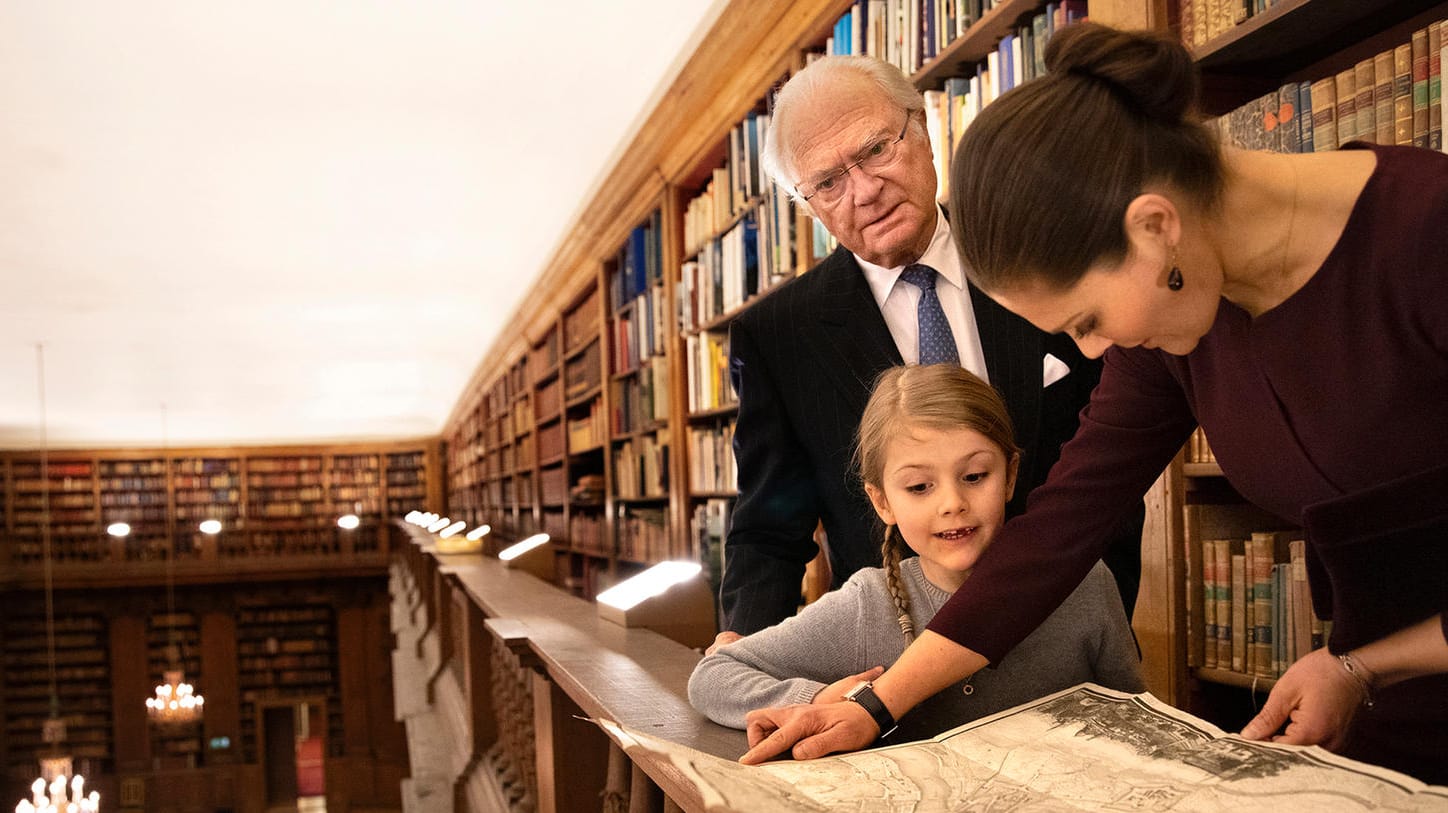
(286, 652)
(82, 671)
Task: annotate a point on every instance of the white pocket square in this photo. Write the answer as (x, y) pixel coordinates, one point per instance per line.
(1053, 370)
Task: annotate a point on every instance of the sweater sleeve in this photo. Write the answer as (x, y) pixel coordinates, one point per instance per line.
(1136, 421)
(1117, 661)
(786, 663)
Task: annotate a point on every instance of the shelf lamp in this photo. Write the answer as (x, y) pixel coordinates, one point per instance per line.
(670, 598)
(210, 527)
(348, 522)
(450, 543)
(118, 529)
(58, 789)
(533, 555)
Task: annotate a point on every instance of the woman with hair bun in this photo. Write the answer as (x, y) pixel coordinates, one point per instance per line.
(1292, 305)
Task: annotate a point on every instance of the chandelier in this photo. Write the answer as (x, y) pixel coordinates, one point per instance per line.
(55, 791)
(59, 796)
(175, 701)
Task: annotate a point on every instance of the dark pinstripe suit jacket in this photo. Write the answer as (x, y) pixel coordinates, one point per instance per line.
(803, 361)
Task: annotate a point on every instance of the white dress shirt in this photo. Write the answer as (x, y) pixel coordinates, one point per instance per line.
(898, 301)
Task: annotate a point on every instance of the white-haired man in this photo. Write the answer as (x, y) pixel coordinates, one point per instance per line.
(848, 139)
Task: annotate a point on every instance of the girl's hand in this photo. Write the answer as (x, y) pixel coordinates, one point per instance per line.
(1316, 699)
(835, 692)
(812, 731)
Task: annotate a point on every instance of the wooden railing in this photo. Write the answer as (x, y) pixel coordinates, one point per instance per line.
(507, 670)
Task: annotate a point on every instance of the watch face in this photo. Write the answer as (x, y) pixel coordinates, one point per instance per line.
(855, 692)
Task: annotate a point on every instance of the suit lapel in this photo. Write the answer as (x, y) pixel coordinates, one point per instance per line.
(854, 342)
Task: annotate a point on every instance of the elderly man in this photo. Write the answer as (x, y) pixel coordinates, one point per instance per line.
(848, 140)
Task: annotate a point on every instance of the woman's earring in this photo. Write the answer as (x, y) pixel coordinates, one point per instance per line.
(1174, 279)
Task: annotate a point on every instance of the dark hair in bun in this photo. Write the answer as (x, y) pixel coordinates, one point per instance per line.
(1040, 181)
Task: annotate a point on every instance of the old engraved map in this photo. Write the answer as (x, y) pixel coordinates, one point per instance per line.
(1086, 748)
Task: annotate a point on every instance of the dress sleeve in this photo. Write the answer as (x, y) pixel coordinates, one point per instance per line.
(1137, 420)
(771, 530)
(786, 663)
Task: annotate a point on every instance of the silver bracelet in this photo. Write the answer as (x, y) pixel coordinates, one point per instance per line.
(1360, 674)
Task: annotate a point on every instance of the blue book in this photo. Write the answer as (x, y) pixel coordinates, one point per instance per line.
(1304, 121)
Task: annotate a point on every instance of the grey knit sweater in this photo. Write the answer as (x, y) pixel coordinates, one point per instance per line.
(854, 628)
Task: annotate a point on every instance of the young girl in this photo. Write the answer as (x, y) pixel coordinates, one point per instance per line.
(938, 460)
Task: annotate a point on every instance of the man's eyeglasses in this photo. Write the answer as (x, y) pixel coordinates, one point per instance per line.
(829, 187)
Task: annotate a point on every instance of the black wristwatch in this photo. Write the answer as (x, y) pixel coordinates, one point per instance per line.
(864, 694)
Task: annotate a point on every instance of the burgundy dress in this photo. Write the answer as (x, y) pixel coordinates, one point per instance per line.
(1331, 411)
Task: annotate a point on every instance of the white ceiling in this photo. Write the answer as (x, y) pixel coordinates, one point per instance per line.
(293, 221)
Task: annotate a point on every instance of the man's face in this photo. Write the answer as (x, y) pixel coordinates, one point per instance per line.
(886, 216)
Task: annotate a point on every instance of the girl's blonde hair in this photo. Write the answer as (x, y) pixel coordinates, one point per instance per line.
(934, 396)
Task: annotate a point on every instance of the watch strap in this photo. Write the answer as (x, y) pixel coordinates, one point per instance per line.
(864, 694)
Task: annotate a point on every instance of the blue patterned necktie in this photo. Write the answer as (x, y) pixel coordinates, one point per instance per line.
(937, 343)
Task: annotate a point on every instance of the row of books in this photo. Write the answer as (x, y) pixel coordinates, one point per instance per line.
(1257, 616)
(585, 534)
(707, 526)
(911, 33)
(1394, 97)
(1019, 56)
(726, 273)
(643, 535)
(550, 442)
(580, 323)
(640, 266)
(1201, 21)
(711, 459)
(639, 331)
(641, 468)
(707, 357)
(643, 400)
(553, 487)
(587, 431)
(732, 188)
(583, 373)
(1198, 449)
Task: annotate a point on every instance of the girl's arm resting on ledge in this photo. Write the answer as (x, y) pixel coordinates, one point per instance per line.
(930, 664)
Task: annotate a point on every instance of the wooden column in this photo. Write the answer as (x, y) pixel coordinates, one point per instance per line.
(220, 686)
(572, 753)
(353, 678)
(130, 686)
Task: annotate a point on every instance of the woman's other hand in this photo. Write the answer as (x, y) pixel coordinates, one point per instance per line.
(808, 731)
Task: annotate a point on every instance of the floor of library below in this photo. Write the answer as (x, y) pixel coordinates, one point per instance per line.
(429, 789)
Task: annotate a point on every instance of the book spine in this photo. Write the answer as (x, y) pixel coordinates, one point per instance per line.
(1383, 96)
(1435, 86)
(1403, 94)
(1419, 46)
(1239, 612)
(1367, 120)
(1210, 635)
(1324, 115)
(1262, 599)
(1223, 557)
(1346, 88)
